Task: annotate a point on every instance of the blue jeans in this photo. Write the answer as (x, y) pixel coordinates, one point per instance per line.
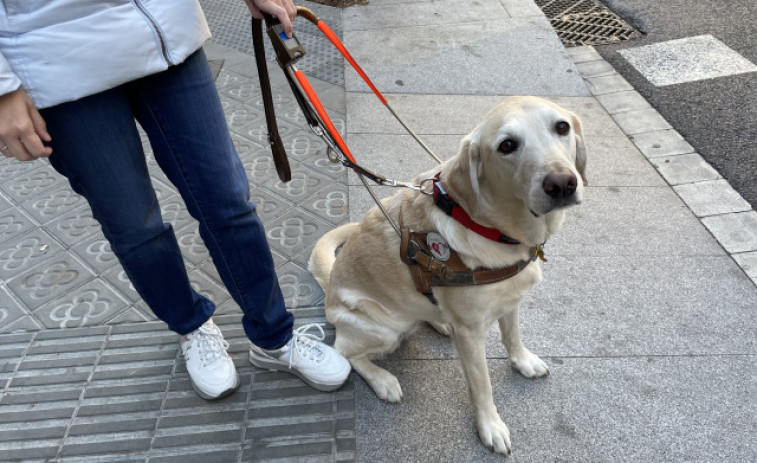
(97, 147)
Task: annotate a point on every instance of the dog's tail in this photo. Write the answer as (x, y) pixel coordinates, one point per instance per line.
(324, 253)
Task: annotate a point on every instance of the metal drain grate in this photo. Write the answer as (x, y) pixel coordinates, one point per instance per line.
(585, 22)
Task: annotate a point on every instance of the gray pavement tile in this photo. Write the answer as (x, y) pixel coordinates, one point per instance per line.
(520, 9)
(39, 411)
(14, 223)
(615, 162)
(73, 226)
(10, 310)
(70, 340)
(4, 203)
(595, 68)
(109, 443)
(625, 222)
(295, 231)
(298, 286)
(93, 311)
(269, 206)
(419, 14)
(331, 204)
(117, 278)
(291, 449)
(452, 114)
(601, 85)
(748, 262)
(31, 183)
(361, 201)
(49, 280)
(302, 146)
(53, 203)
(417, 59)
(138, 369)
(42, 449)
(114, 424)
(685, 168)
(641, 120)
(11, 169)
(126, 387)
(669, 302)
(191, 435)
(40, 394)
(588, 409)
(736, 232)
(304, 184)
(243, 116)
(661, 143)
(96, 252)
(712, 197)
(399, 157)
(140, 353)
(34, 362)
(620, 102)
(132, 403)
(321, 164)
(583, 54)
(195, 454)
(34, 431)
(24, 323)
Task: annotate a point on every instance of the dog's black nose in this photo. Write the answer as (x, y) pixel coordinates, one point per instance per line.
(559, 185)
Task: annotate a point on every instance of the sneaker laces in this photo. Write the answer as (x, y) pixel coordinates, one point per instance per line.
(210, 344)
(307, 345)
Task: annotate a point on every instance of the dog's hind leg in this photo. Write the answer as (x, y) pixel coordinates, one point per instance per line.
(522, 359)
(358, 338)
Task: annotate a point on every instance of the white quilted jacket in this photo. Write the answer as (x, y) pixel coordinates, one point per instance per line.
(63, 50)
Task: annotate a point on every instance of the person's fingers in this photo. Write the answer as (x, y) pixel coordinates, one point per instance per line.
(290, 9)
(40, 127)
(274, 8)
(22, 128)
(18, 150)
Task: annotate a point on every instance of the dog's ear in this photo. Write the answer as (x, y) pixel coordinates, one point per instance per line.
(472, 151)
(580, 148)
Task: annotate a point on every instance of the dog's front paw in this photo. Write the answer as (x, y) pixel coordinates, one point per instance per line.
(529, 365)
(387, 387)
(494, 434)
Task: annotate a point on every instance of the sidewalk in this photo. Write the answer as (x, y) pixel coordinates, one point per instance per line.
(645, 317)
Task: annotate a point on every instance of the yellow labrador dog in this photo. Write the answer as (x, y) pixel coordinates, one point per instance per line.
(514, 175)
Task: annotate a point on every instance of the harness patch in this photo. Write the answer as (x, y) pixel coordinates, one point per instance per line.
(438, 246)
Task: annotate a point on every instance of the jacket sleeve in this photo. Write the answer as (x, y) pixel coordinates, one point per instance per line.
(8, 80)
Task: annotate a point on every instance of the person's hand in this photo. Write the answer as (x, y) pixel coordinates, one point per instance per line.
(22, 129)
(284, 10)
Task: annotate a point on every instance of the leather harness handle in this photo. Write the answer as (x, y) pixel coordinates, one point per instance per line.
(280, 159)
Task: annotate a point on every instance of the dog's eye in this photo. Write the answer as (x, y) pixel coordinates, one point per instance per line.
(508, 146)
(562, 127)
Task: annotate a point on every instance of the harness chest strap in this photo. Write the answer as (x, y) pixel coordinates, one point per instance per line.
(428, 270)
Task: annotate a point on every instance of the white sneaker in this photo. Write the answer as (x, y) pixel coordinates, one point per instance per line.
(306, 356)
(210, 367)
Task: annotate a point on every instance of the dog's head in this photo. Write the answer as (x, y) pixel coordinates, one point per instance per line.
(531, 149)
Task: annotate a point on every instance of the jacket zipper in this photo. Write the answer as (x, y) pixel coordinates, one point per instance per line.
(155, 27)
